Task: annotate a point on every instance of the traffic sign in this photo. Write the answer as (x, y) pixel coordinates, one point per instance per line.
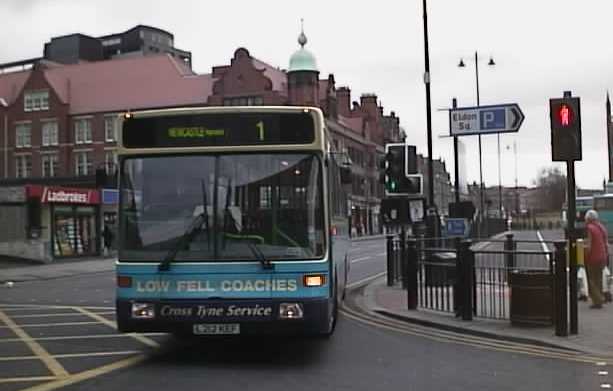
(504, 118)
(457, 227)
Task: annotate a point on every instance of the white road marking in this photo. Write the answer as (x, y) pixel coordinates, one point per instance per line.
(365, 280)
(545, 248)
(360, 259)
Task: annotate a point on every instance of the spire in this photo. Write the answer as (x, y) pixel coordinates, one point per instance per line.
(302, 39)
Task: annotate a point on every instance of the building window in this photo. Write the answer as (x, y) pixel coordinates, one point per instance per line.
(50, 133)
(110, 129)
(83, 163)
(110, 162)
(111, 42)
(23, 135)
(23, 166)
(36, 101)
(49, 165)
(83, 131)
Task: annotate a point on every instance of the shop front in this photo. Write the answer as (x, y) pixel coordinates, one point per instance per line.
(72, 215)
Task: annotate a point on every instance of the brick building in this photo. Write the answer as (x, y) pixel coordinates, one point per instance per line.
(59, 123)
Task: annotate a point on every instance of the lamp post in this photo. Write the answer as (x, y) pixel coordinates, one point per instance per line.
(481, 200)
(516, 189)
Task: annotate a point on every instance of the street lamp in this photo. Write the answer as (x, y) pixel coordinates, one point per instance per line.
(516, 189)
(481, 201)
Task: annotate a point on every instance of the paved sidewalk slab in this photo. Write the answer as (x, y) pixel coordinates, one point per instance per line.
(595, 326)
(56, 270)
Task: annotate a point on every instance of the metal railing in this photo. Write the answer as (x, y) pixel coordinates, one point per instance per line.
(500, 282)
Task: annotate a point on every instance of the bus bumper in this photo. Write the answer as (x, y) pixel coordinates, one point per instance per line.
(254, 316)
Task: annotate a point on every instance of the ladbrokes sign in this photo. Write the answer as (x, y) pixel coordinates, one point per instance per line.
(70, 196)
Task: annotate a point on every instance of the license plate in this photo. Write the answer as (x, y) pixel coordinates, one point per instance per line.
(217, 329)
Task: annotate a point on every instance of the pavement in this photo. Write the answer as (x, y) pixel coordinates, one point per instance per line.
(20, 271)
(595, 334)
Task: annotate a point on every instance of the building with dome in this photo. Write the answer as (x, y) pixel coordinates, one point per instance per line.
(58, 127)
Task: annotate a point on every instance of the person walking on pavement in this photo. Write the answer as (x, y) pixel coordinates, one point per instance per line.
(596, 256)
(107, 236)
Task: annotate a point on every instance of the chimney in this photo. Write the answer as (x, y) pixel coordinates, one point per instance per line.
(369, 105)
(343, 95)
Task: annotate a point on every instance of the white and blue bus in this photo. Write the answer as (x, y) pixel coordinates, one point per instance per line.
(233, 220)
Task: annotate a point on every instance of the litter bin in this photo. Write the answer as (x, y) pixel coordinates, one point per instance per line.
(531, 298)
(441, 269)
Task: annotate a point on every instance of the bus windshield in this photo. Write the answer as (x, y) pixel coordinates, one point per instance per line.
(238, 201)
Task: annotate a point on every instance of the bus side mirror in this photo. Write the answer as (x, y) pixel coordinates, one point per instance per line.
(345, 175)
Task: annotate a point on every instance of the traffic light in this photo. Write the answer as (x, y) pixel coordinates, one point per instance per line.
(565, 116)
(399, 170)
(394, 168)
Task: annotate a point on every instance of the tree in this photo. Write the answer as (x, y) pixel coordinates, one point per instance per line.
(551, 185)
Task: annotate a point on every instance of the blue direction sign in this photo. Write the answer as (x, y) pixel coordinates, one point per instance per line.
(504, 118)
(457, 227)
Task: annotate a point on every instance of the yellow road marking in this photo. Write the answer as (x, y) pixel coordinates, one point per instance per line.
(474, 342)
(59, 314)
(78, 377)
(51, 363)
(74, 355)
(26, 306)
(52, 324)
(26, 379)
(69, 337)
(138, 337)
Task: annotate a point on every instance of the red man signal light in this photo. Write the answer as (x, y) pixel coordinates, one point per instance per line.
(565, 116)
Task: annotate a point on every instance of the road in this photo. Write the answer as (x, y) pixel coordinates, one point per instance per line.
(59, 334)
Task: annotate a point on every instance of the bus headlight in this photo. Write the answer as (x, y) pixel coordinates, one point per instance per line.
(290, 311)
(143, 311)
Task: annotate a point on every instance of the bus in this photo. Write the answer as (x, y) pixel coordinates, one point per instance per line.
(582, 205)
(603, 204)
(233, 221)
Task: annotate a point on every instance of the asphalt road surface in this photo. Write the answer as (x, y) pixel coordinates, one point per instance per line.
(59, 334)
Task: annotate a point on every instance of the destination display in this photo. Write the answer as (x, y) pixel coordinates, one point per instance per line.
(218, 129)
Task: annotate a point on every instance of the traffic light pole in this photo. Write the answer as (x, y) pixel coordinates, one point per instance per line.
(572, 247)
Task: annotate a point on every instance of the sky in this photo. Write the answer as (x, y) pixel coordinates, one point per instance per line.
(541, 48)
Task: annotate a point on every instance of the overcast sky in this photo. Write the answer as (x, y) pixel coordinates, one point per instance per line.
(541, 48)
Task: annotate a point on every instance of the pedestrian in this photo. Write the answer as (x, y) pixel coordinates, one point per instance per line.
(596, 256)
(107, 236)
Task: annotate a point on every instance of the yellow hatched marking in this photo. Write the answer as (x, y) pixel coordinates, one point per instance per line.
(26, 379)
(74, 355)
(26, 306)
(78, 377)
(59, 314)
(51, 363)
(52, 324)
(112, 324)
(69, 337)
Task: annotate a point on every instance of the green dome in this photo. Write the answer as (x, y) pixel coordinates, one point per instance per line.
(302, 60)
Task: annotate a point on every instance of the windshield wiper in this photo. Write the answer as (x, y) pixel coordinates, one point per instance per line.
(189, 234)
(266, 264)
(185, 239)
